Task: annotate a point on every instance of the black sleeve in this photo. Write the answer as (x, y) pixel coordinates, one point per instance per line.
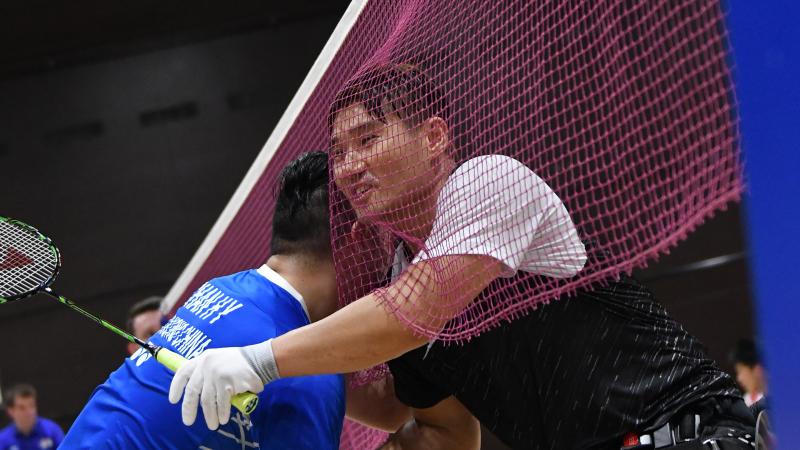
(411, 386)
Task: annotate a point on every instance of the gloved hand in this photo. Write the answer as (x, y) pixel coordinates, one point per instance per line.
(218, 374)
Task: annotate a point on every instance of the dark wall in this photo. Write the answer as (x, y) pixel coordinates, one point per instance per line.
(126, 164)
(714, 304)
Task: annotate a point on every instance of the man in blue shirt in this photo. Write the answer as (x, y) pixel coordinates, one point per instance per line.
(295, 287)
(28, 431)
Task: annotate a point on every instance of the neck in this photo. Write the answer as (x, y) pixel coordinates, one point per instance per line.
(416, 225)
(26, 430)
(312, 278)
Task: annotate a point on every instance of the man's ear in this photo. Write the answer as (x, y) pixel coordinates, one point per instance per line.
(437, 135)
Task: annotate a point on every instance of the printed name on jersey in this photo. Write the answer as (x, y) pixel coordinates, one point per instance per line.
(184, 338)
(209, 301)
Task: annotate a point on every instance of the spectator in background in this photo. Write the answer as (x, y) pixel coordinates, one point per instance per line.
(28, 431)
(750, 371)
(144, 319)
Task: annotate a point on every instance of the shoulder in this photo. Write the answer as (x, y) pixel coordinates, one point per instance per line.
(239, 283)
(229, 294)
(502, 162)
(497, 184)
(494, 174)
(49, 425)
(491, 167)
(6, 434)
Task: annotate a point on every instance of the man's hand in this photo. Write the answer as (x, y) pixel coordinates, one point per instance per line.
(212, 379)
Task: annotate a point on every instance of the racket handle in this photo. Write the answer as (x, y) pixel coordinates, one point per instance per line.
(245, 402)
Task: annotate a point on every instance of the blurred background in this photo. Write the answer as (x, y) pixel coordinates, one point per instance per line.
(126, 127)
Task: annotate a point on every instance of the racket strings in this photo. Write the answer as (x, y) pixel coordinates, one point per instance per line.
(26, 261)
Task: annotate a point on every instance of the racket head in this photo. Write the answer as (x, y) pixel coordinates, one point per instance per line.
(29, 261)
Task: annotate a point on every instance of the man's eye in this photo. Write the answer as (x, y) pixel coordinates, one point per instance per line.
(369, 139)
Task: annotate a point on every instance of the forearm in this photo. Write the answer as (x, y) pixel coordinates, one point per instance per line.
(419, 436)
(364, 333)
(356, 337)
(412, 436)
(377, 406)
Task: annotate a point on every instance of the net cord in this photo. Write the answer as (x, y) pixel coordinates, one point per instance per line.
(286, 121)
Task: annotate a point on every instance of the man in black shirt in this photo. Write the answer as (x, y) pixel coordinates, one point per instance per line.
(581, 372)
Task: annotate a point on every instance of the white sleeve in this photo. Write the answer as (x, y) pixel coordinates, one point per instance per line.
(496, 206)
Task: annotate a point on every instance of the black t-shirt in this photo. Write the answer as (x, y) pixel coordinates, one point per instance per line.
(580, 372)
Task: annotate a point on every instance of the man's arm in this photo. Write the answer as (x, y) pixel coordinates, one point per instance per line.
(376, 405)
(358, 336)
(364, 333)
(447, 425)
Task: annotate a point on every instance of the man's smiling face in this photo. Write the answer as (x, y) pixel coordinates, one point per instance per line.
(382, 168)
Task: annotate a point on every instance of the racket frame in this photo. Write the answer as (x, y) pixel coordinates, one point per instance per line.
(56, 254)
(244, 402)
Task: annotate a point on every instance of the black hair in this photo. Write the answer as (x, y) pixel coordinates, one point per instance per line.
(402, 89)
(19, 390)
(745, 352)
(149, 304)
(300, 224)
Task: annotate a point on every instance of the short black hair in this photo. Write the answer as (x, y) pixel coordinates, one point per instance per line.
(19, 390)
(300, 224)
(402, 89)
(149, 304)
(745, 352)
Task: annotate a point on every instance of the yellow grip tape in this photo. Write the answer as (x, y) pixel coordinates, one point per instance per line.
(245, 402)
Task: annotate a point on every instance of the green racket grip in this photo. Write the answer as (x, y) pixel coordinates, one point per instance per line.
(245, 402)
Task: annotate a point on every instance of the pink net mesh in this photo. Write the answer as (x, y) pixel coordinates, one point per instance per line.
(565, 141)
(359, 437)
(616, 120)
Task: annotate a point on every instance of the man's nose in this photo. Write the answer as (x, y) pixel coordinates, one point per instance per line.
(354, 163)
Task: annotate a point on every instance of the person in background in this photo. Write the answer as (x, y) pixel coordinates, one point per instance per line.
(28, 431)
(144, 320)
(750, 372)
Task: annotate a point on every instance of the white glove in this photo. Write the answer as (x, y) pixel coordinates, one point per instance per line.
(217, 375)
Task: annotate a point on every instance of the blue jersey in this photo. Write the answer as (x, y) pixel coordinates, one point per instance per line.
(45, 434)
(131, 409)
